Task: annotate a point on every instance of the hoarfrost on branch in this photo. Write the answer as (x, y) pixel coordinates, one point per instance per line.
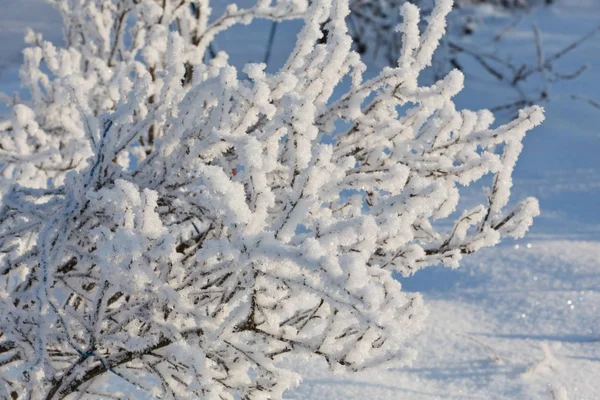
(166, 222)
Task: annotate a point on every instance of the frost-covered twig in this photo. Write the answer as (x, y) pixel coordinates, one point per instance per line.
(165, 221)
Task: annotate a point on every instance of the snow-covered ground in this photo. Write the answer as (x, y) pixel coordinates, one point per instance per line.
(15, 17)
(509, 324)
(516, 321)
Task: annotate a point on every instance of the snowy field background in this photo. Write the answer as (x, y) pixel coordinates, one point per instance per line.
(512, 322)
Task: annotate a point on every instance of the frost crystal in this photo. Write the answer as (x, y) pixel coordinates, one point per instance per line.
(167, 222)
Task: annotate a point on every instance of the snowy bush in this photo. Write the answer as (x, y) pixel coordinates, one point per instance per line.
(465, 47)
(372, 23)
(169, 222)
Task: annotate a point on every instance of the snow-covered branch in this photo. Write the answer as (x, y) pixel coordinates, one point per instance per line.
(184, 234)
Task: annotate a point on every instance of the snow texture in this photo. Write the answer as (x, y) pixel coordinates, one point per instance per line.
(135, 229)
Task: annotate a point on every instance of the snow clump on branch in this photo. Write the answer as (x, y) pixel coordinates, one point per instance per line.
(168, 223)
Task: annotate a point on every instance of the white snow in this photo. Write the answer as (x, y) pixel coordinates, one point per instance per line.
(508, 324)
(520, 321)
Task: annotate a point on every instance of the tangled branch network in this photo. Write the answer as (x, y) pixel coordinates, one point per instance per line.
(168, 225)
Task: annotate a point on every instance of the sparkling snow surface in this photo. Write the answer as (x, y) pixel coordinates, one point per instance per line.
(509, 324)
(513, 322)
